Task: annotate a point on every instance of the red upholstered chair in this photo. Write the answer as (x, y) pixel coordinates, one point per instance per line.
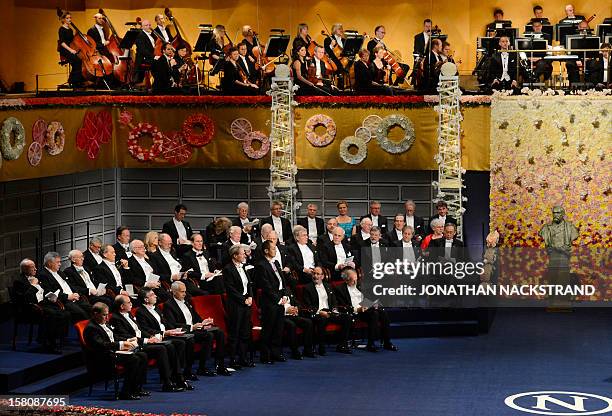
(211, 306)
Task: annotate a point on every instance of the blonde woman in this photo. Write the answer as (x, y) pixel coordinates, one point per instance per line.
(151, 242)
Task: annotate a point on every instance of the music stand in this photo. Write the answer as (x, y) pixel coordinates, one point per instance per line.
(203, 40)
(511, 32)
(277, 45)
(563, 30)
(548, 29)
(603, 30)
(523, 44)
(352, 44)
(584, 42)
(503, 24)
(488, 44)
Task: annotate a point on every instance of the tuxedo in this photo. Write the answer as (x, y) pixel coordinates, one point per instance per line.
(103, 274)
(374, 317)
(596, 70)
(496, 67)
(298, 260)
(190, 261)
(420, 45)
(416, 249)
(170, 229)
(89, 261)
(272, 313)
(162, 268)
(329, 258)
(95, 35)
(367, 255)
(139, 277)
(159, 30)
(419, 225)
(238, 313)
(166, 76)
(286, 228)
(165, 355)
(311, 302)
(319, 221)
(254, 231)
(204, 337)
(99, 356)
(382, 223)
(325, 238)
(248, 68)
(77, 282)
(225, 258)
(79, 310)
(449, 220)
(392, 236)
(120, 252)
(457, 248)
(145, 49)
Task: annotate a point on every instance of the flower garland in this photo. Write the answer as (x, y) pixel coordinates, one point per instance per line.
(88, 411)
(137, 152)
(320, 120)
(348, 157)
(12, 125)
(34, 153)
(202, 121)
(175, 148)
(382, 132)
(247, 145)
(56, 138)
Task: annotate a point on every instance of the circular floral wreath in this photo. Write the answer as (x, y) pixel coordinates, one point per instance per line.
(137, 151)
(34, 153)
(12, 125)
(320, 120)
(247, 145)
(56, 138)
(382, 132)
(175, 149)
(362, 150)
(205, 123)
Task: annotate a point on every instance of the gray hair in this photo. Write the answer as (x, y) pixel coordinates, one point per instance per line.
(297, 230)
(95, 240)
(234, 228)
(436, 222)
(73, 253)
(411, 202)
(50, 256)
(235, 249)
(132, 244)
(24, 263)
(242, 205)
(105, 248)
(375, 229)
(364, 220)
(163, 235)
(176, 285)
(408, 227)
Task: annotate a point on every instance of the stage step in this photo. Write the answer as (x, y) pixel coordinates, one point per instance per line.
(61, 383)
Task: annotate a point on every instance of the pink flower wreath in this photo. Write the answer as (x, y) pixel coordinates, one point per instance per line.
(137, 151)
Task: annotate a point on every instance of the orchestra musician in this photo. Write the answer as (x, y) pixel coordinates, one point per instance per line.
(165, 71)
(236, 82)
(445, 55)
(364, 79)
(543, 68)
(337, 38)
(538, 15)
(432, 65)
(300, 73)
(421, 40)
(247, 63)
(600, 72)
(250, 40)
(573, 67)
(570, 16)
(302, 38)
(498, 16)
(379, 34)
(98, 33)
(319, 71)
(145, 49)
(65, 37)
(380, 71)
(502, 68)
(161, 29)
(215, 47)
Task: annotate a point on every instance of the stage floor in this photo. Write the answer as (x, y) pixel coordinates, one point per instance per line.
(525, 351)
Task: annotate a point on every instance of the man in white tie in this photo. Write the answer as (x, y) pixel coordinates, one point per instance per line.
(373, 250)
(410, 251)
(108, 272)
(503, 67)
(449, 247)
(327, 237)
(313, 224)
(122, 245)
(398, 225)
(281, 225)
(80, 279)
(417, 223)
(97, 32)
(92, 255)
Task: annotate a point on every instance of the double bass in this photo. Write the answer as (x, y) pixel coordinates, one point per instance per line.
(94, 65)
(120, 66)
(178, 40)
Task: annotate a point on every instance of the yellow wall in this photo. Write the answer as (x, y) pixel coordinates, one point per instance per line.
(31, 32)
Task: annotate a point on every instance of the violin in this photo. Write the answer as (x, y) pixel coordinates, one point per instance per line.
(120, 66)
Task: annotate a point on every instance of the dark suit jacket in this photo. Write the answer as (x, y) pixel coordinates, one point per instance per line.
(324, 239)
(382, 223)
(327, 254)
(120, 252)
(98, 341)
(419, 44)
(344, 298)
(138, 276)
(75, 280)
(234, 287)
(320, 224)
(419, 225)
(365, 254)
(254, 231)
(144, 49)
(160, 266)
(147, 322)
(170, 229)
(496, 68)
(103, 274)
(93, 32)
(175, 316)
(166, 77)
(24, 292)
(268, 282)
(298, 260)
(89, 261)
(189, 261)
(248, 69)
(392, 236)
(449, 219)
(122, 330)
(158, 30)
(311, 297)
(399, 254)
(596, 70)
(49, 284)
(287, 233)
(456, 250)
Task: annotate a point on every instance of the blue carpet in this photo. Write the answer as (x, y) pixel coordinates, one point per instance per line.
(526, 350)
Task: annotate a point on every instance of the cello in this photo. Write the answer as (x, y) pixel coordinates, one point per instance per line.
(120, 66)
(95, 65)
(178, 40)
(159, 42)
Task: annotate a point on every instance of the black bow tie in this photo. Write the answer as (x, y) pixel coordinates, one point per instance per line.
(200, 255)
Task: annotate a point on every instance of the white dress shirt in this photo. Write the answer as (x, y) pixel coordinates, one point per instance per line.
(185, 310)
(312, 229)
(101, 32)
(323, 300)
(40, 292)
(318, 67)
(278, 227)
(63, 284)
(151, 37)
(276, 272)
(96, 256)
(399, 234)
(448, 245)
(115, 272)
(356, 296)
(505, 57)
(132, 324)
(175, 266)
(409, 221)
(146, 267)
(151, 309)
(340, 254)
(180, 228)
(426, 36)
(374, 220)
(243, 277)
(108, 332)
(307, 255)
(164, 34)
(376, 252)
(246, 64)
(606, 62)
(443, 219)
(279, 258)
(202, 262)
(408, 251)
(85, 276)
(365, 235)
(338, 40)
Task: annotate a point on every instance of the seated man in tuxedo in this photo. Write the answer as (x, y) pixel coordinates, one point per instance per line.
(161, 29)
(53, 280)
(442, 208)
(81, 280)
(29, 295)
(101, 347)
(124, 327)
(168, 267)
(281, 225)
(542, 68)
(201, 267)
(327, 236)
(570, 16)
(247, 63)
(303, 253)
(398, 225)
(417, 223)
(350, 299)
(107, 272)
(151, 319)
(600, 68)
(122, 245)
(313, 224)
(249, 232)
(373, 250)
(239, 287)
(91, 256)
(363, 233)
(141, 267)
(503, 67)
(410, 248)
(378, 220)
(165, 71)
(179, 230)
(449, 247)
(336, 255)
(320, 300)
(235, 235)
(180, 313)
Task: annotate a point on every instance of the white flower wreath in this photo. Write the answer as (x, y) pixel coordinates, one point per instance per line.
(320, 120)
(362, 150)
(382, 132)
(12, 125)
